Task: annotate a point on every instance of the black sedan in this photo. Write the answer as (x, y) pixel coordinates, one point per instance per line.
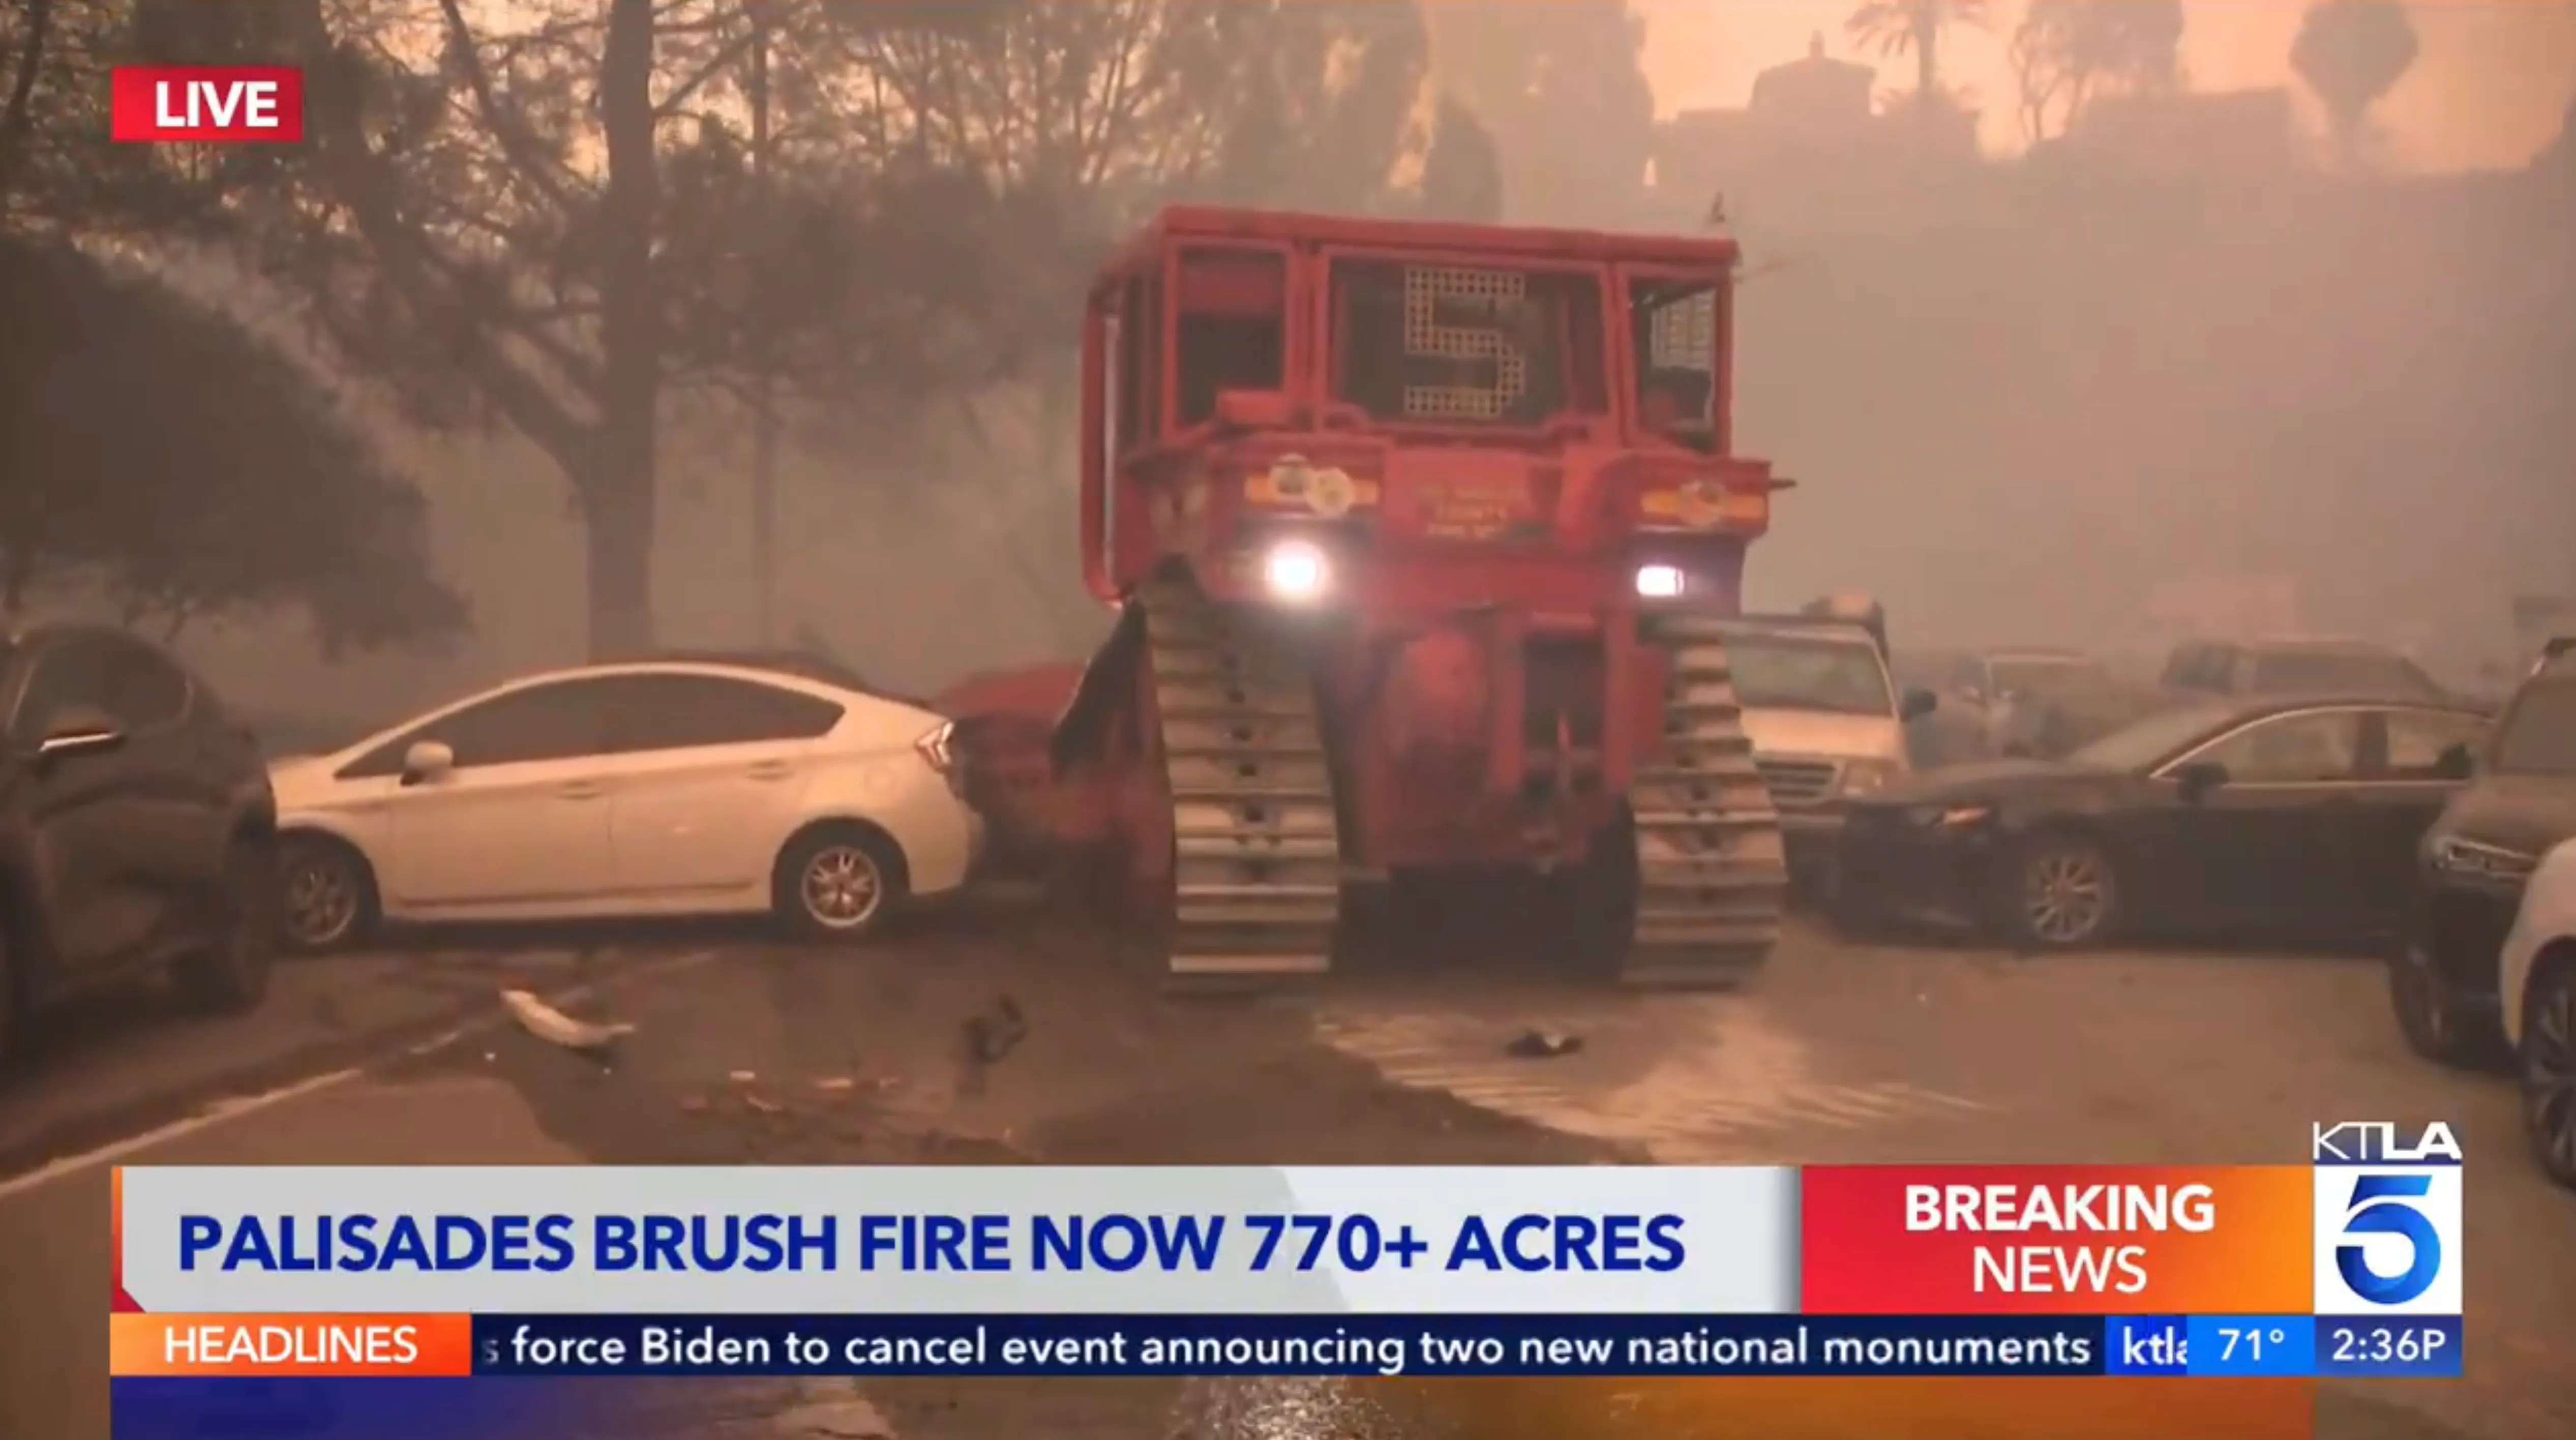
(2275, 815)
(136, 828)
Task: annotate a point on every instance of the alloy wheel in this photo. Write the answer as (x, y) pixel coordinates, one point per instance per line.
(2549, 1075)
(2066, 895)
(320, 900)
(841, 887)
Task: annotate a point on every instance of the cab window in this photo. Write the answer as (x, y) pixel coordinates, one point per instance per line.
(1140, 361)
(1233, 328)
(1675, 328)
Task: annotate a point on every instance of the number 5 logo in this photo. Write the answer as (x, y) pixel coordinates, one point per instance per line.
(2378, 1207)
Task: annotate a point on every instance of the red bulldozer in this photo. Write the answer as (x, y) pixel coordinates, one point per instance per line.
(1418, 537)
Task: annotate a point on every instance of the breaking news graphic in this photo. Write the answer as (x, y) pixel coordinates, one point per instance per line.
(345, 1282)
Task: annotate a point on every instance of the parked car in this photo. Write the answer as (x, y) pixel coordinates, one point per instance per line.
(1826, 721)
(2033, 700)
(136, 828)
(2235, 816)
(2296, 665)
(2537, 967)
(636, 790)
(2476, 863)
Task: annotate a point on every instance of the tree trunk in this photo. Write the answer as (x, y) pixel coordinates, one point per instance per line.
(618, 525)
(764, 416)
(1927, 65)
(619, 488)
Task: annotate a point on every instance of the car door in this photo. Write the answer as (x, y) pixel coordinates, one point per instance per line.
(2406, 782)
(2271, 844)
(710, 771)
(85, 811)
(518, 826)
(175, 850)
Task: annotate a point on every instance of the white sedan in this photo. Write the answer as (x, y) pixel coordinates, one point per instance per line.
(2537, 981)
(621, 791)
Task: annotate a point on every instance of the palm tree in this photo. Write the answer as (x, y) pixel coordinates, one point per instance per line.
(1898, 27)
(2351, 53)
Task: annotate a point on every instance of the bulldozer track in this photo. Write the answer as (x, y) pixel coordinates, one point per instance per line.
(1257, 857)
(1712, 876)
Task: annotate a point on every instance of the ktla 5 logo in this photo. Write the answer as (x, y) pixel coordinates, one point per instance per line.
(2388, 1220)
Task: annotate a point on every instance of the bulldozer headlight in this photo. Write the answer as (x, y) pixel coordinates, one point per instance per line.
(1660, 582)
(1296, 571)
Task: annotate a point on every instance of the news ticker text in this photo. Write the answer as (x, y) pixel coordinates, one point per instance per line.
(1297, 1345)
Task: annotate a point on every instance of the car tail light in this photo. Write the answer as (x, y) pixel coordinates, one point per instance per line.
(939, 752)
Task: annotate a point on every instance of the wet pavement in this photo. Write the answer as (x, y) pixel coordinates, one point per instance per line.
(753, 1054)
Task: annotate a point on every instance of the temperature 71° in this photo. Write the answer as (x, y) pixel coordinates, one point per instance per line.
(2230, 1337)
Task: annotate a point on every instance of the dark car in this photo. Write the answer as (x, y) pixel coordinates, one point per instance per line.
(2473, 865)
(2296, 666)
(136, 828)
(2279, 815)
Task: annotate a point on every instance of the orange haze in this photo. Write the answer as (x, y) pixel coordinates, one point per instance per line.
(2491, 88)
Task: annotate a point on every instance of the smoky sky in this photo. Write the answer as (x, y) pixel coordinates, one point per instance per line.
(2490, 88)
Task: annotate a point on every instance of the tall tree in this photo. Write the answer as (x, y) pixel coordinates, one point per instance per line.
(2066, 52)
(2350, 54)
(1462, 177)
(1562, 91)
(154, 452)
(489, 214)
(1918, 28)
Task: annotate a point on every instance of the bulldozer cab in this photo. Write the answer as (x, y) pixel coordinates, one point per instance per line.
(1428, 382)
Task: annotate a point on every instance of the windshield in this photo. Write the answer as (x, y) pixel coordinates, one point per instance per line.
(2142, 743)
(2353, 671)
(1451, 345)
(2050, 675)
(1792, 672)
(2539, 735)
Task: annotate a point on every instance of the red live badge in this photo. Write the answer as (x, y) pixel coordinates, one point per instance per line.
(207, 104)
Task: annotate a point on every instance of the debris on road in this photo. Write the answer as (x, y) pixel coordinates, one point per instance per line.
(556, 1028)
(1542, 1045)
(987, 1040)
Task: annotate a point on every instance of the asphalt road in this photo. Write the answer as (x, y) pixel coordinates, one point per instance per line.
(1842, 1054)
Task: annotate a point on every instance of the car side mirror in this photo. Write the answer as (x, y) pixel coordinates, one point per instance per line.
(425, 761)
(2200, 777)
(2456, 762)
(1916, 704)
(79, 730)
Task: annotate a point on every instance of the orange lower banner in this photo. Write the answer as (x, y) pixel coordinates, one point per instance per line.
(346, 1345)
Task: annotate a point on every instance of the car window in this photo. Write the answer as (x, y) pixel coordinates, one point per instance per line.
(2418, 738)
(554, 721)
(2539, 733)
(2290, 749)
(679, 712)
(72, 674)
(145, 688)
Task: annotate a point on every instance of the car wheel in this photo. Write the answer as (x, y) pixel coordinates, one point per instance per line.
(328, 895)
(2431, 1015)
(839, 883)
(230, 973)
(2549, 1071)
(2059, 894)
